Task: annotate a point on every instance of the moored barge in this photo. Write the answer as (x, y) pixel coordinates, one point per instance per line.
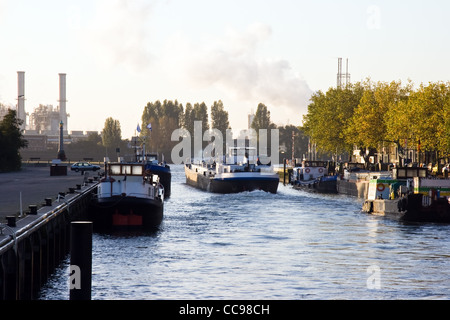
(313, 176)
(129, 196)
(411, 196)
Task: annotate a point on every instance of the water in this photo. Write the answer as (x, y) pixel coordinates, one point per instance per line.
(255, 245)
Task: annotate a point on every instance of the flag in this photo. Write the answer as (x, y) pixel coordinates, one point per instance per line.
(138, 129)
(149, 126)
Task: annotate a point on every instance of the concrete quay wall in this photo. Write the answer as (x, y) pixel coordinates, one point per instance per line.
(353, 188)
(32, 246)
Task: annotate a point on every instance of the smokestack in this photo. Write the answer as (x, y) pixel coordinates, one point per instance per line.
(62, 99)
(21, 98)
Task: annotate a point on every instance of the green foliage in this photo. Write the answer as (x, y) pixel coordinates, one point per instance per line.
(11, 141)
(329, 117)
(300, 142)
(262, 119)
(164, 119)
(219, 117)
(111, 134)
(369, 114)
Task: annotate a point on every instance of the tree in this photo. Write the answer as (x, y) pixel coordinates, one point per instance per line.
(219, 121)
(444, 129)
(329, 115)
(373, 115)
(368, 126)
(164, 118)
(150, 116)
(300, 142)
(188, 120)
(219, 117)
(111, 134)
(429, 106)
(11, 141)
(399, 116)
(201, 114)
(262, 119)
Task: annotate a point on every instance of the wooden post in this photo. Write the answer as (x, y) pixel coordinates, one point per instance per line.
(80, 260)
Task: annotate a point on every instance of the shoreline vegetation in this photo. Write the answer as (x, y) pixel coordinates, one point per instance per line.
(364, 115)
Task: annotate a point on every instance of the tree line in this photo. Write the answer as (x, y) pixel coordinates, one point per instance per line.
(160, 119)
(169, 115)
(368, 114)
(164, 118)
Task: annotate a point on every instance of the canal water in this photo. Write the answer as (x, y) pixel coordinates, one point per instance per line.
(255, 245)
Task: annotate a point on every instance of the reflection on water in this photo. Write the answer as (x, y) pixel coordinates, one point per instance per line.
(254, 245)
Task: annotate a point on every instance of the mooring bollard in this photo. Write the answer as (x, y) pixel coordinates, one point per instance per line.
(80, 278)
(11, 220)
(48, 202)
(33, 209)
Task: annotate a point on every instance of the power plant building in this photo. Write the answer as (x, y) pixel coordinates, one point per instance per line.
(41, 127)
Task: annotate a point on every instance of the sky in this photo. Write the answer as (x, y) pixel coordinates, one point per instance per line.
(120, 54)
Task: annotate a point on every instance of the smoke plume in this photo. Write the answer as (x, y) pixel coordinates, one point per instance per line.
(232, 63)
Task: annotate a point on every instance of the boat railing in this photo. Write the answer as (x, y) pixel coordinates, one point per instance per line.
(128, 194)
(366, 176)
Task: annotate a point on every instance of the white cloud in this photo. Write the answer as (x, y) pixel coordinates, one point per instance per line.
(2, 8)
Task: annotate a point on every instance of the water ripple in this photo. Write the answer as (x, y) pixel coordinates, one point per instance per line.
(254, 245)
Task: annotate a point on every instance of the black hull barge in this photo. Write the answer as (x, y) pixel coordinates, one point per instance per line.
(419, 199)
(231, 178)
(164, 174)
(161, 169)
(320, 185)
(129, 197)
(124, 213)
(313, 176)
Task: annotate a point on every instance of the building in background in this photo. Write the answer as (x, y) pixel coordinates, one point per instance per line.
(41, 126)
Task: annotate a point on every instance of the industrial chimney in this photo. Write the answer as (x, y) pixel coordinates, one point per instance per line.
(62, 100)
(21, 99)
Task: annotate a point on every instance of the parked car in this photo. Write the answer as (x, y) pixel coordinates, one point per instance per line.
(84, 166)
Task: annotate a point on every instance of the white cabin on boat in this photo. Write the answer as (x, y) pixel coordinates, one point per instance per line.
(310, 170)
(131, 180)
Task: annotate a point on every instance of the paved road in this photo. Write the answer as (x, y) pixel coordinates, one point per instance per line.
(35, 184)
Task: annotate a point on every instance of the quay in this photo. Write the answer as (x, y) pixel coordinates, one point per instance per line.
(34, 243)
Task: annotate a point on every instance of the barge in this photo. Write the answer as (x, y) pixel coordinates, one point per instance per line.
(313, 176)
(412, 196)
(237, 174)
(129, 196)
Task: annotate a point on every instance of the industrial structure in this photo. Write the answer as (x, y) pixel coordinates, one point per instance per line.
(342, 78)
(41, 128)
(45, 119)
